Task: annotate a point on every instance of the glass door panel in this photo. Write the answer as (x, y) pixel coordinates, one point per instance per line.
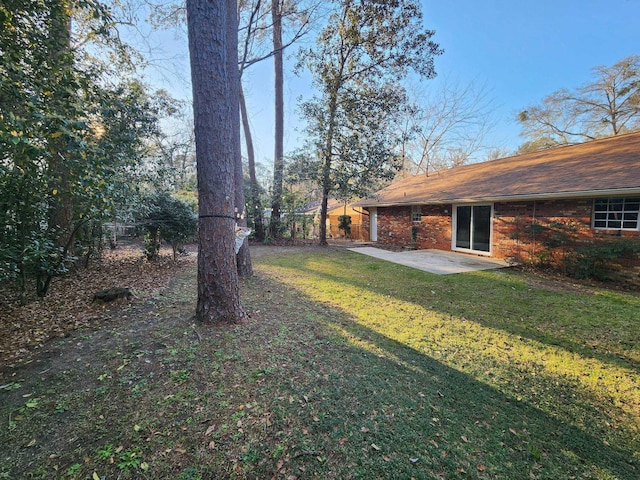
(463, 227)
(481, 233)
(473, 227)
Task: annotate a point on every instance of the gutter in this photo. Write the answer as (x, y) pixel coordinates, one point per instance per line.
(609, 192)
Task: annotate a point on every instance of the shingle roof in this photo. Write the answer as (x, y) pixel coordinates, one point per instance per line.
(599, 168)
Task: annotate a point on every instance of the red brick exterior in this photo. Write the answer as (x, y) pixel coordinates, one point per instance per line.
(510, 220)
(510, 238)
(434, 231)
(513, 228)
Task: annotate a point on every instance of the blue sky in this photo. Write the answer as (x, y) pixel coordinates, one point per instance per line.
(524, 50)
(519, 50)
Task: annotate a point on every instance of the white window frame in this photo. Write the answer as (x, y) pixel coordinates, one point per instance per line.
(613, 213)
(454, 226)
(416, 213)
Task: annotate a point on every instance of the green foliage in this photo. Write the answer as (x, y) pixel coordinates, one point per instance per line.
(106, 452)
(151, 244)
(255, 196)
(71, 139)
(190, 473)
(128, 460)
(344, 224)
(73, 469)
(558, 245)
(167, 218)
(357, 64)
(297, 224)
(414, 235)
(601, 259)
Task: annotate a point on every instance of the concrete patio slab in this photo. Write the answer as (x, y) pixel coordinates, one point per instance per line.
(434, 261)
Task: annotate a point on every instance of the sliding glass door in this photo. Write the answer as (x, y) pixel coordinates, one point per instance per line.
(473, 228)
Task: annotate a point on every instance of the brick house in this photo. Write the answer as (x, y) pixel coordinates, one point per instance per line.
(592, 190)
(335, 209)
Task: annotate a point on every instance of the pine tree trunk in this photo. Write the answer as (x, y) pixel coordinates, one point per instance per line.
(278, 160)
(255, 205)
(215, 98)
(243, 257)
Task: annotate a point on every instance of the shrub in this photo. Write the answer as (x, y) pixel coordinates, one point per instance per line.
(344, 224)
(169, 219)
(601, 259)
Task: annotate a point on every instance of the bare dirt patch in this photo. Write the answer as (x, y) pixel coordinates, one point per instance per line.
(24, 329)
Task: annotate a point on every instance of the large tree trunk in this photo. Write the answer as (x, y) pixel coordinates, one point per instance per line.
(243, 257)
(255, 205)
(278, 160)
(61, 204)
(215, 97)
(326, 167)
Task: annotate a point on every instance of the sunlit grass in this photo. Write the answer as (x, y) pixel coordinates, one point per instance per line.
(346, 368)
(572, 355)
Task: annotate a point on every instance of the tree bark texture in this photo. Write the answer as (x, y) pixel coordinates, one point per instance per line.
(255, 204)
(243, 257)
(215, 97)
(278, 160)
(326, 166)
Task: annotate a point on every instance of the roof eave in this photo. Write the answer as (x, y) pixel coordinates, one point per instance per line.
(509, 198)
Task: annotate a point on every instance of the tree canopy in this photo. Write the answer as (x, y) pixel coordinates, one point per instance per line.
(72, 137)
(606, 106)
(357, 63)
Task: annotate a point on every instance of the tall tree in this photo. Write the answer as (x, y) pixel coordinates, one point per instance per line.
(278, 156)
(254, 201)
(243, 257)
(606, 106)
(257, 19)
(251, 21)
(367, 47)
(446, 127)
(214, 77)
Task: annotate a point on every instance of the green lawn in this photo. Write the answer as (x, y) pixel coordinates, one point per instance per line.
(350, 367)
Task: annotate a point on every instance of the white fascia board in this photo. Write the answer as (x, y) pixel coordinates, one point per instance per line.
(611, 192)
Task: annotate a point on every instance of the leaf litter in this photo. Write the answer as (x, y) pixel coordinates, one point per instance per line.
(69, 304)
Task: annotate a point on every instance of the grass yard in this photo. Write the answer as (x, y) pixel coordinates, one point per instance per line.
(349, 368)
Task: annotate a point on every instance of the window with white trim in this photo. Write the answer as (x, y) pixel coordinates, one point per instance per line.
(616, 213)
(416, 213)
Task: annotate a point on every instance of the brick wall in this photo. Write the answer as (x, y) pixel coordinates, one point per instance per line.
(434, 231)
(512, 236)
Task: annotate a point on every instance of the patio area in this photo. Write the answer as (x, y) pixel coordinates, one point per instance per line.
(434, 261)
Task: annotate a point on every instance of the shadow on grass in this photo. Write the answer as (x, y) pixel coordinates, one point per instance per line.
(476, 305)
(405, 405)
(465, 415)
(342, 401)
(469, 401)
